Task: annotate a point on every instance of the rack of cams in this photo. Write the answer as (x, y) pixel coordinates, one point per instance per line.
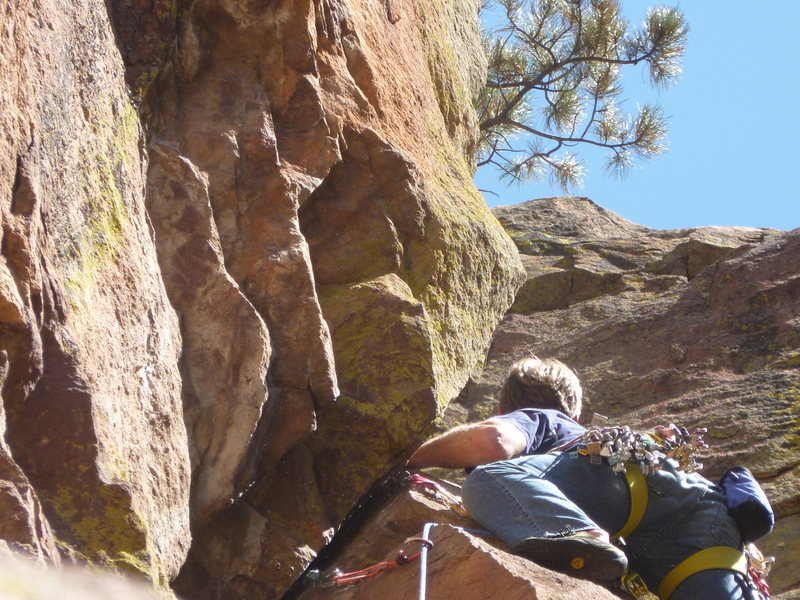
(620, 445)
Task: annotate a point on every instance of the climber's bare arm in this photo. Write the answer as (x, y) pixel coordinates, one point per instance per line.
(471, 445)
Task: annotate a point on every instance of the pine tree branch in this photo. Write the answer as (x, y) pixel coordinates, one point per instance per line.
(566, 56)
(577, 60)
(572, 140)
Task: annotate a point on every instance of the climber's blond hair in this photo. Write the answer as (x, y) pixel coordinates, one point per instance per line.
(542, 383)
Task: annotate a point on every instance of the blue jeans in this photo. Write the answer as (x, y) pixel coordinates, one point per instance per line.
(555, 494)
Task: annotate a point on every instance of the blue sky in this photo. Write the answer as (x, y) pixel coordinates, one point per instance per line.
(734, 139)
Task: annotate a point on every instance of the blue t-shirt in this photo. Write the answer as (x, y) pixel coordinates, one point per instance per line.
(544, 429)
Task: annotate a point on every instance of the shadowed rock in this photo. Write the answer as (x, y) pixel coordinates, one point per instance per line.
(23, 527)
(226, 345)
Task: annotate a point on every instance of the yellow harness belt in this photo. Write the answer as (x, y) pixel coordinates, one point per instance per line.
(637, 485)
(716, 557)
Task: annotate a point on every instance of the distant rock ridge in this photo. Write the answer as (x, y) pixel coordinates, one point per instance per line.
(574, 250)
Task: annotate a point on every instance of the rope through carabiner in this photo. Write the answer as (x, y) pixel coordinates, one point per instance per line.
(337, 578)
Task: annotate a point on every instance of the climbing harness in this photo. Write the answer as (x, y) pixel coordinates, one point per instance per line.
(741, 487)
(750, 563)
(641, 454)
(716, 557)
(637, 486)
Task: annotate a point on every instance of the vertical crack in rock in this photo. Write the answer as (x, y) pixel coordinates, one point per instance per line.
(252, 120)
(247, 143)
(24, 526)
(225, 343)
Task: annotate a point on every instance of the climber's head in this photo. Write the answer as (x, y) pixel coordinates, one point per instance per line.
(542, 383)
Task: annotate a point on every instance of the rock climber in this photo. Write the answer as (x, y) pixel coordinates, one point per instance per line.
(555, 507)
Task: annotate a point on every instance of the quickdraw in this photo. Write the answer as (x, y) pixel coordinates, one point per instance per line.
(452, 501)
(750, 563)
(337, 578)
(758, 580)
(758, 567)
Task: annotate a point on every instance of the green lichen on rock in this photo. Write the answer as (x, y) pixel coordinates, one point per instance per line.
(106, 168)
(452, 275)
(788, 399)
(382, 342)
(99, 525)
(456, 63)
(465, 253)
(539, 244)
(773, 406)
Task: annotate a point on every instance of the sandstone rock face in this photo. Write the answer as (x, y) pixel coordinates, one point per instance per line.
(243, 269)
(700, 327)
(92, 390)
(366, 255)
